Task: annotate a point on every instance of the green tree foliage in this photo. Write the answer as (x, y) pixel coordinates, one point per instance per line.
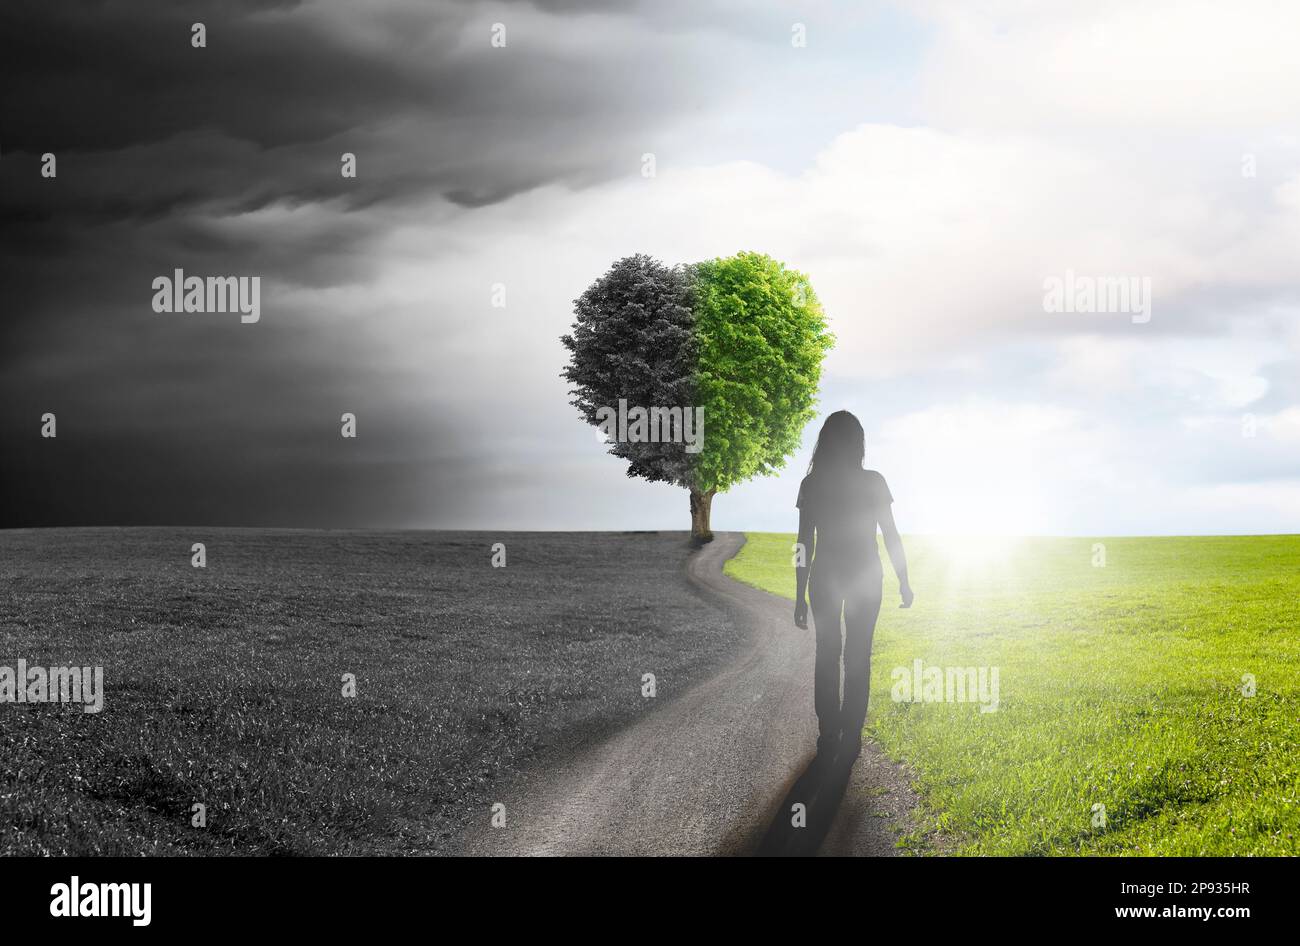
(742, 337)
(762, 335)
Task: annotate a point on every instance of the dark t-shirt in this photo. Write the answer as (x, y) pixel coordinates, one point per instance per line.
(845, 509)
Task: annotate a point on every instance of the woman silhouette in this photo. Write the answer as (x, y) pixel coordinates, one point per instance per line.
(840, 504)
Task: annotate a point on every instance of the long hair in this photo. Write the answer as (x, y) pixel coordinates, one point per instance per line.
(841, 445)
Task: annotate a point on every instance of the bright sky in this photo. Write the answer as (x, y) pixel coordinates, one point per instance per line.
(928, 164)
(928, 195)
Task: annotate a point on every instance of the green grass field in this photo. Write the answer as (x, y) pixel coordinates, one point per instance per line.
(1119, 686)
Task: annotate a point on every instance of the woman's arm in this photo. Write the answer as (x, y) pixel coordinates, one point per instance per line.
(803, 553)
(894, 546)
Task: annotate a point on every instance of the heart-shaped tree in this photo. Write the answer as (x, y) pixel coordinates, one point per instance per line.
(701, 375)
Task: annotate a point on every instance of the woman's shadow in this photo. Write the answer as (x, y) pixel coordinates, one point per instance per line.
(799, 831)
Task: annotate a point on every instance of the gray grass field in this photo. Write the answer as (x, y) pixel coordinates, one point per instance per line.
(223, 685)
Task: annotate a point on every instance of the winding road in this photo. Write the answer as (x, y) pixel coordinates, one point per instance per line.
(717, 770)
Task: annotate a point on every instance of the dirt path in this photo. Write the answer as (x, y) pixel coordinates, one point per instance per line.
(718, 769)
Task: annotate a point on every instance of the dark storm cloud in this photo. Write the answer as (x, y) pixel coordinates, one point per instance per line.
(262, 113)
(225, 160)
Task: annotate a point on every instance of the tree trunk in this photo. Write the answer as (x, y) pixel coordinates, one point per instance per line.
(701, 506)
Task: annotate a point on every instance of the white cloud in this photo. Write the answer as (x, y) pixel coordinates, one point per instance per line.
(1069, 67)
(1105, 139)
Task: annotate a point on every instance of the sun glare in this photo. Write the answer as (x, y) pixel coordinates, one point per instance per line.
(966, 558)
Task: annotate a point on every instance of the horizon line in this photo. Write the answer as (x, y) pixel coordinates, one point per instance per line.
(489, 529)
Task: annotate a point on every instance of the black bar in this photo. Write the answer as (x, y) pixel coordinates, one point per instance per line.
(335, 895)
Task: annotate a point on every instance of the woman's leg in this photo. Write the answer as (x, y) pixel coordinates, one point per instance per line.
(860, 612)
(827, 604)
